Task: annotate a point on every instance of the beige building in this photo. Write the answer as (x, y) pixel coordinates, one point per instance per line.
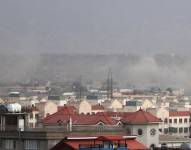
(33, 118)
(46, 108)
(85, 107)
(116, 105)
(147, 104)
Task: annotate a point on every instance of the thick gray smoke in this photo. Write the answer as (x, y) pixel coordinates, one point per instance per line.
(141, 71)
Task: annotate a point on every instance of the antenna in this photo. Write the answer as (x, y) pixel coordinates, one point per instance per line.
(109, 85)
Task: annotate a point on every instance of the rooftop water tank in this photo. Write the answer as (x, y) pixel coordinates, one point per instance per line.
(15, 107)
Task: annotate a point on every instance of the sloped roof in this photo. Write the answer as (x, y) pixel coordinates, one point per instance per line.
(179, 113)
(132, 144)
(97, 107)
(140, 117)
(65, 115)
(67, 109)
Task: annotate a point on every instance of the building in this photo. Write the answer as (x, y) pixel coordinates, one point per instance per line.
(144, 125)
(100, 142)
(33, 118)
(67, 120)
(179, 123)
(133, 105)
(46, 108)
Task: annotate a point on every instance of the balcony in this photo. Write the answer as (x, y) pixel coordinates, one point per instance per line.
(103, 147)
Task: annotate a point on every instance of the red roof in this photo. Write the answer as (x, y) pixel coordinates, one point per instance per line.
(140, 117)
(74, 144)
(66, 110)
(97, 107)
(179, 113)
(64, 116)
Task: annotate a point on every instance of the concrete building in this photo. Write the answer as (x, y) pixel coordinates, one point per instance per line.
(179, 123)
(144, 125)
(46, 108)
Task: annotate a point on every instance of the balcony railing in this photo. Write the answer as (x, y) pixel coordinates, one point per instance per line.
(102, 147)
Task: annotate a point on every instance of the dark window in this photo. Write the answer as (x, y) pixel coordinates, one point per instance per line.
(185, 120)
(100, 127)
(140, 132)
(36, 116)
(165, 120)
(185, 130)
(31, 116)
(180, 120)
(170, 120)
(175, 120)
(175, 130)
(14, 144)
(165, 130)
(128, 131)
(180, 130)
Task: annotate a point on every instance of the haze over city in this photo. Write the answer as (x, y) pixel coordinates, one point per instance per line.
(147, 30)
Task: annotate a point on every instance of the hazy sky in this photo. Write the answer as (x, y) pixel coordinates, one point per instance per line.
(99, 26)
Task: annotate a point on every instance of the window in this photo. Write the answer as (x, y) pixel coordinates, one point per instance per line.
(185, 130)
(175, 130)
(31, 115)
(165, 130)
(175, 120)
(170, 120)
(31, 125)
(37, 116)
(10, 144)
(165, 120)
(180, 130)
(185, 120)
(140, 132)
(180, 120)
(100, 127)
(128, 131)
(31, 145)
(60, 122)
(152, 132)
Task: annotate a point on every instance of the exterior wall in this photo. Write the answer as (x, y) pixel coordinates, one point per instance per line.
(163, 113)
(131, 108)
(52, 143)
(20, 144)
(44, 140)
(179, 126)
(116, 105)
(46, 108)
(33, 120)
(85, 107)
(88, 128)
(146, 138)
(50, 108)
(96, 111)
(147, 104)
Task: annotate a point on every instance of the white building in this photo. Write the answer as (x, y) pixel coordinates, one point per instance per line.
(179, 123)
(144, 125)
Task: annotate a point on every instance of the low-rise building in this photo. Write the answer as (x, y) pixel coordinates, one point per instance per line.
(179, 123)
